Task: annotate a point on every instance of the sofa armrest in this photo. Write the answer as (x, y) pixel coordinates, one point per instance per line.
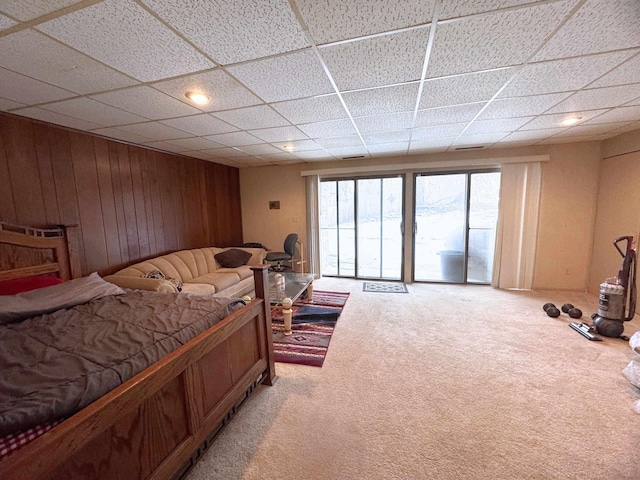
(257, 255)
(141, 283)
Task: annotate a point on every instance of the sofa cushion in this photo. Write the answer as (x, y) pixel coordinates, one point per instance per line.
(219, 280)
(198, 288)
(243, 272)
(233, 258)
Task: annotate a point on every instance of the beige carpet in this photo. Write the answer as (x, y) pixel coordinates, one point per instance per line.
(446, 382)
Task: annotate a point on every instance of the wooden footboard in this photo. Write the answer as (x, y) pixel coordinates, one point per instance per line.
(150, 426)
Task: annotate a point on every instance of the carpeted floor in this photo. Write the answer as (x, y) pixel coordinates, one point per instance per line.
(447, 382)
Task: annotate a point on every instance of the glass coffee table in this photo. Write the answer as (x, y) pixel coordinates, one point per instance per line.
(286, 288)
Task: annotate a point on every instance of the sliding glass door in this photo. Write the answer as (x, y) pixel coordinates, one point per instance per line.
(361, 227)
(455, 216)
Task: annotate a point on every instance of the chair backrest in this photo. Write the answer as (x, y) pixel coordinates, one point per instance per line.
(290, 244)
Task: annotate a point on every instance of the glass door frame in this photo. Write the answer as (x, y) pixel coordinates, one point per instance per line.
(355, 213)
(468, 173)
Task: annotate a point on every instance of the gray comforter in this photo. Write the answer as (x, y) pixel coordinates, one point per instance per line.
(53, 365)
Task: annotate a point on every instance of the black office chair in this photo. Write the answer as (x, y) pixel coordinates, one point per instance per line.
(286, 256)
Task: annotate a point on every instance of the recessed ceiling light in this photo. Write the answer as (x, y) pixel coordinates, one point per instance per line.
(571, 120)
(288, 148)
(197, 97)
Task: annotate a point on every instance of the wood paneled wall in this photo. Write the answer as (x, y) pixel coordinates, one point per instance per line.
(130, 202)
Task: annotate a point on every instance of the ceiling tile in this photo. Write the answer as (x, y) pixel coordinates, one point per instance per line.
(589, 30)
(53, 117)
(314, 155)
(226, 152)
(225, 92)
(333, 20)
(562, 75)
(605, 97)
(481, 139)
(154, 131)
(470, 88)
(279, 134)
(496, 125)
(263, 148)
(6, 22)
(441, 131)
(532, 135)
(195, 143)
(339, 142)
(383, 149)
(622, 114)
(29, 9)
(35, 55)
(113, 132)
(297, 146)
(6, 104)
(232, 32)
(313, 109)
(202, 124)
(583, 129)
(399, 136)
(554, 121)
(146, 102)
(462, 8)
(445, 115)
(380, 123)
(166, 146)
(620, 75)
(377, 61)
(93, 111)
(151, 50)
(332, 128)
(346, 152)
(281, 157)
(23, 89)
(235, 139)
(521, 106)
(489, 41)
(249, 118)
(286, 77)
(432, 144)
(378, 101)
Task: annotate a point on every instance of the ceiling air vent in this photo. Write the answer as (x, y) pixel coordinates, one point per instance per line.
(469, 148)
(355, 156)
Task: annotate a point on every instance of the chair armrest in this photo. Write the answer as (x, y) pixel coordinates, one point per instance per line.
(141, 283)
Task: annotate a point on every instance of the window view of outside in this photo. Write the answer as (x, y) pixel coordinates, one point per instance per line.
(377, 232)
(361, 236)
(441, 223)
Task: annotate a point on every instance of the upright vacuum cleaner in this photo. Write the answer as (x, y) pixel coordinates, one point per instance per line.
(617, 299)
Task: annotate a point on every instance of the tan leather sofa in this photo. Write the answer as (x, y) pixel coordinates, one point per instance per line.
(198, 270)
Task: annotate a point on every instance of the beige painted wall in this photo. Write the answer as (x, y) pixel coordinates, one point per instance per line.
(567, 217)
(618, 204)
(260, 185)
(569, 201)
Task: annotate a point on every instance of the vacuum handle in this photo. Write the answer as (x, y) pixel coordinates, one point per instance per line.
(629, 240)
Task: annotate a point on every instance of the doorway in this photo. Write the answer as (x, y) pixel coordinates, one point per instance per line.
(361, 227)
(455, 217)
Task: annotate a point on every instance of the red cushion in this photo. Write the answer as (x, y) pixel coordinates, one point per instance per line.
(19, 285)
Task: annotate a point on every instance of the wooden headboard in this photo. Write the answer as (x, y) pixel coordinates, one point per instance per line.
(29, 251)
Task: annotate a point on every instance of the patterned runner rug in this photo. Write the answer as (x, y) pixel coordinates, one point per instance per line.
(312, 325)
(385, 287)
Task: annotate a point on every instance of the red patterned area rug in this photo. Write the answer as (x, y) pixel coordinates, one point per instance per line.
(312, 326)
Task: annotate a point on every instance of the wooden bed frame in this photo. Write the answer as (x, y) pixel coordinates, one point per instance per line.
(157, 424)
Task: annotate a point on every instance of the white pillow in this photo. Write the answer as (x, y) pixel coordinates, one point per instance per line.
(49, 299)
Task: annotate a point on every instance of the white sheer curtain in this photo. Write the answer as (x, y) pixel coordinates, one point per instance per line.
(313, 235)
(517, 227)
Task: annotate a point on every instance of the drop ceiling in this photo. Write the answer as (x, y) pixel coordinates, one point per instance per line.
(311, 80)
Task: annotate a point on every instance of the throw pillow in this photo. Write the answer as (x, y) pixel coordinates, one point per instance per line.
(159, 275)
(232, 258)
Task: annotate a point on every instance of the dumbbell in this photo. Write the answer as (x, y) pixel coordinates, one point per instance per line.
(551, 310)
(572, 311)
